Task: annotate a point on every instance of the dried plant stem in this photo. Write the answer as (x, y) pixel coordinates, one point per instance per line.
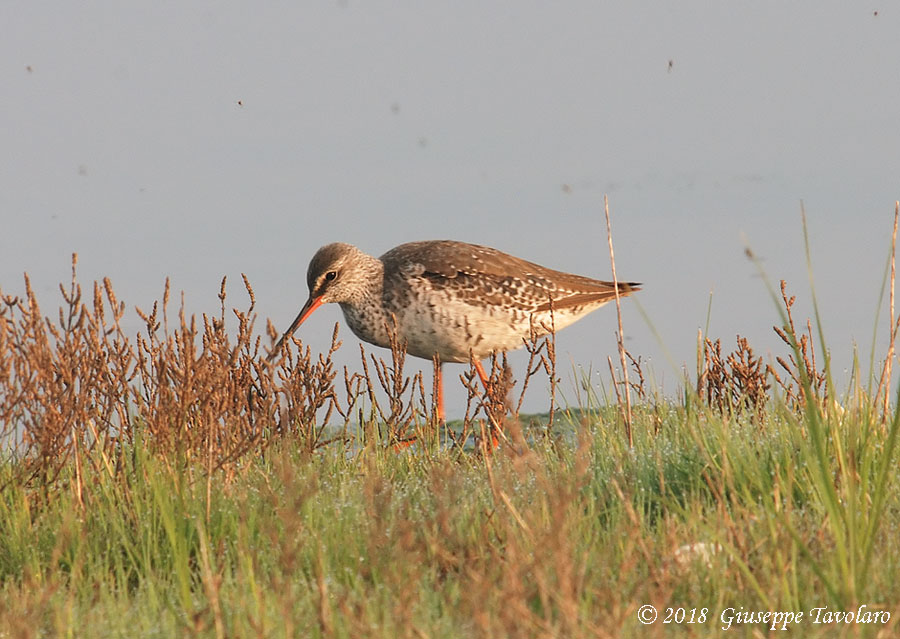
(884, 384)
(79, 481)
(620, 336)
(551, 367)
(615, 384)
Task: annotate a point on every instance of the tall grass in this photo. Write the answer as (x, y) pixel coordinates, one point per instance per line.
(175, 485)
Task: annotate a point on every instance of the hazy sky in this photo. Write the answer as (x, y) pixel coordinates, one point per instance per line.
(197, 140)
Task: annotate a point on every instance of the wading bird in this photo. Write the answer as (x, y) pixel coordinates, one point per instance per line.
(456, 301)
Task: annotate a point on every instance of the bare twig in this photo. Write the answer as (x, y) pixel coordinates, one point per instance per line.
(884, 384)
(620, 337)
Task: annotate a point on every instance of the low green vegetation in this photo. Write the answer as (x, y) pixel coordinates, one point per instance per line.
(546, 540)
(160, 488)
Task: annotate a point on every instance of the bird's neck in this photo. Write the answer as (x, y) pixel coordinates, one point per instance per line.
(364, 310)
(370, 281)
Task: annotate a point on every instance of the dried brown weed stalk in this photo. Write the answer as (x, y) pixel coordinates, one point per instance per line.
(77, 392)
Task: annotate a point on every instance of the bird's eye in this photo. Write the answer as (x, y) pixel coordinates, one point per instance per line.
(330, 275)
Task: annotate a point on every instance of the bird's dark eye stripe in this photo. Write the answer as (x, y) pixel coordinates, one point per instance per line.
(330, 275)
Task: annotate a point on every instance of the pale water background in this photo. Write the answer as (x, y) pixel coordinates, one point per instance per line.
(197, 140)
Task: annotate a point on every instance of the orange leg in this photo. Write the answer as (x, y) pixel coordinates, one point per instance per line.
(480, 370)
(439, 383)
(441, 415)
(485, 379)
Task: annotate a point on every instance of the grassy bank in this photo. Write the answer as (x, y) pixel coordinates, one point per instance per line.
(548, 540)
(177, 485)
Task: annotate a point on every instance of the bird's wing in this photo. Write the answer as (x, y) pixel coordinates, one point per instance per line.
(474, 271)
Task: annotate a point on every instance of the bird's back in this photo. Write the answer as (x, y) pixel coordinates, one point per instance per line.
(454, 298)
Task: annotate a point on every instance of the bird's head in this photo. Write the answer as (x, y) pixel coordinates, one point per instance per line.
(337, 273)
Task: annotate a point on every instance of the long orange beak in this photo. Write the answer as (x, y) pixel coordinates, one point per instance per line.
(311, 304)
